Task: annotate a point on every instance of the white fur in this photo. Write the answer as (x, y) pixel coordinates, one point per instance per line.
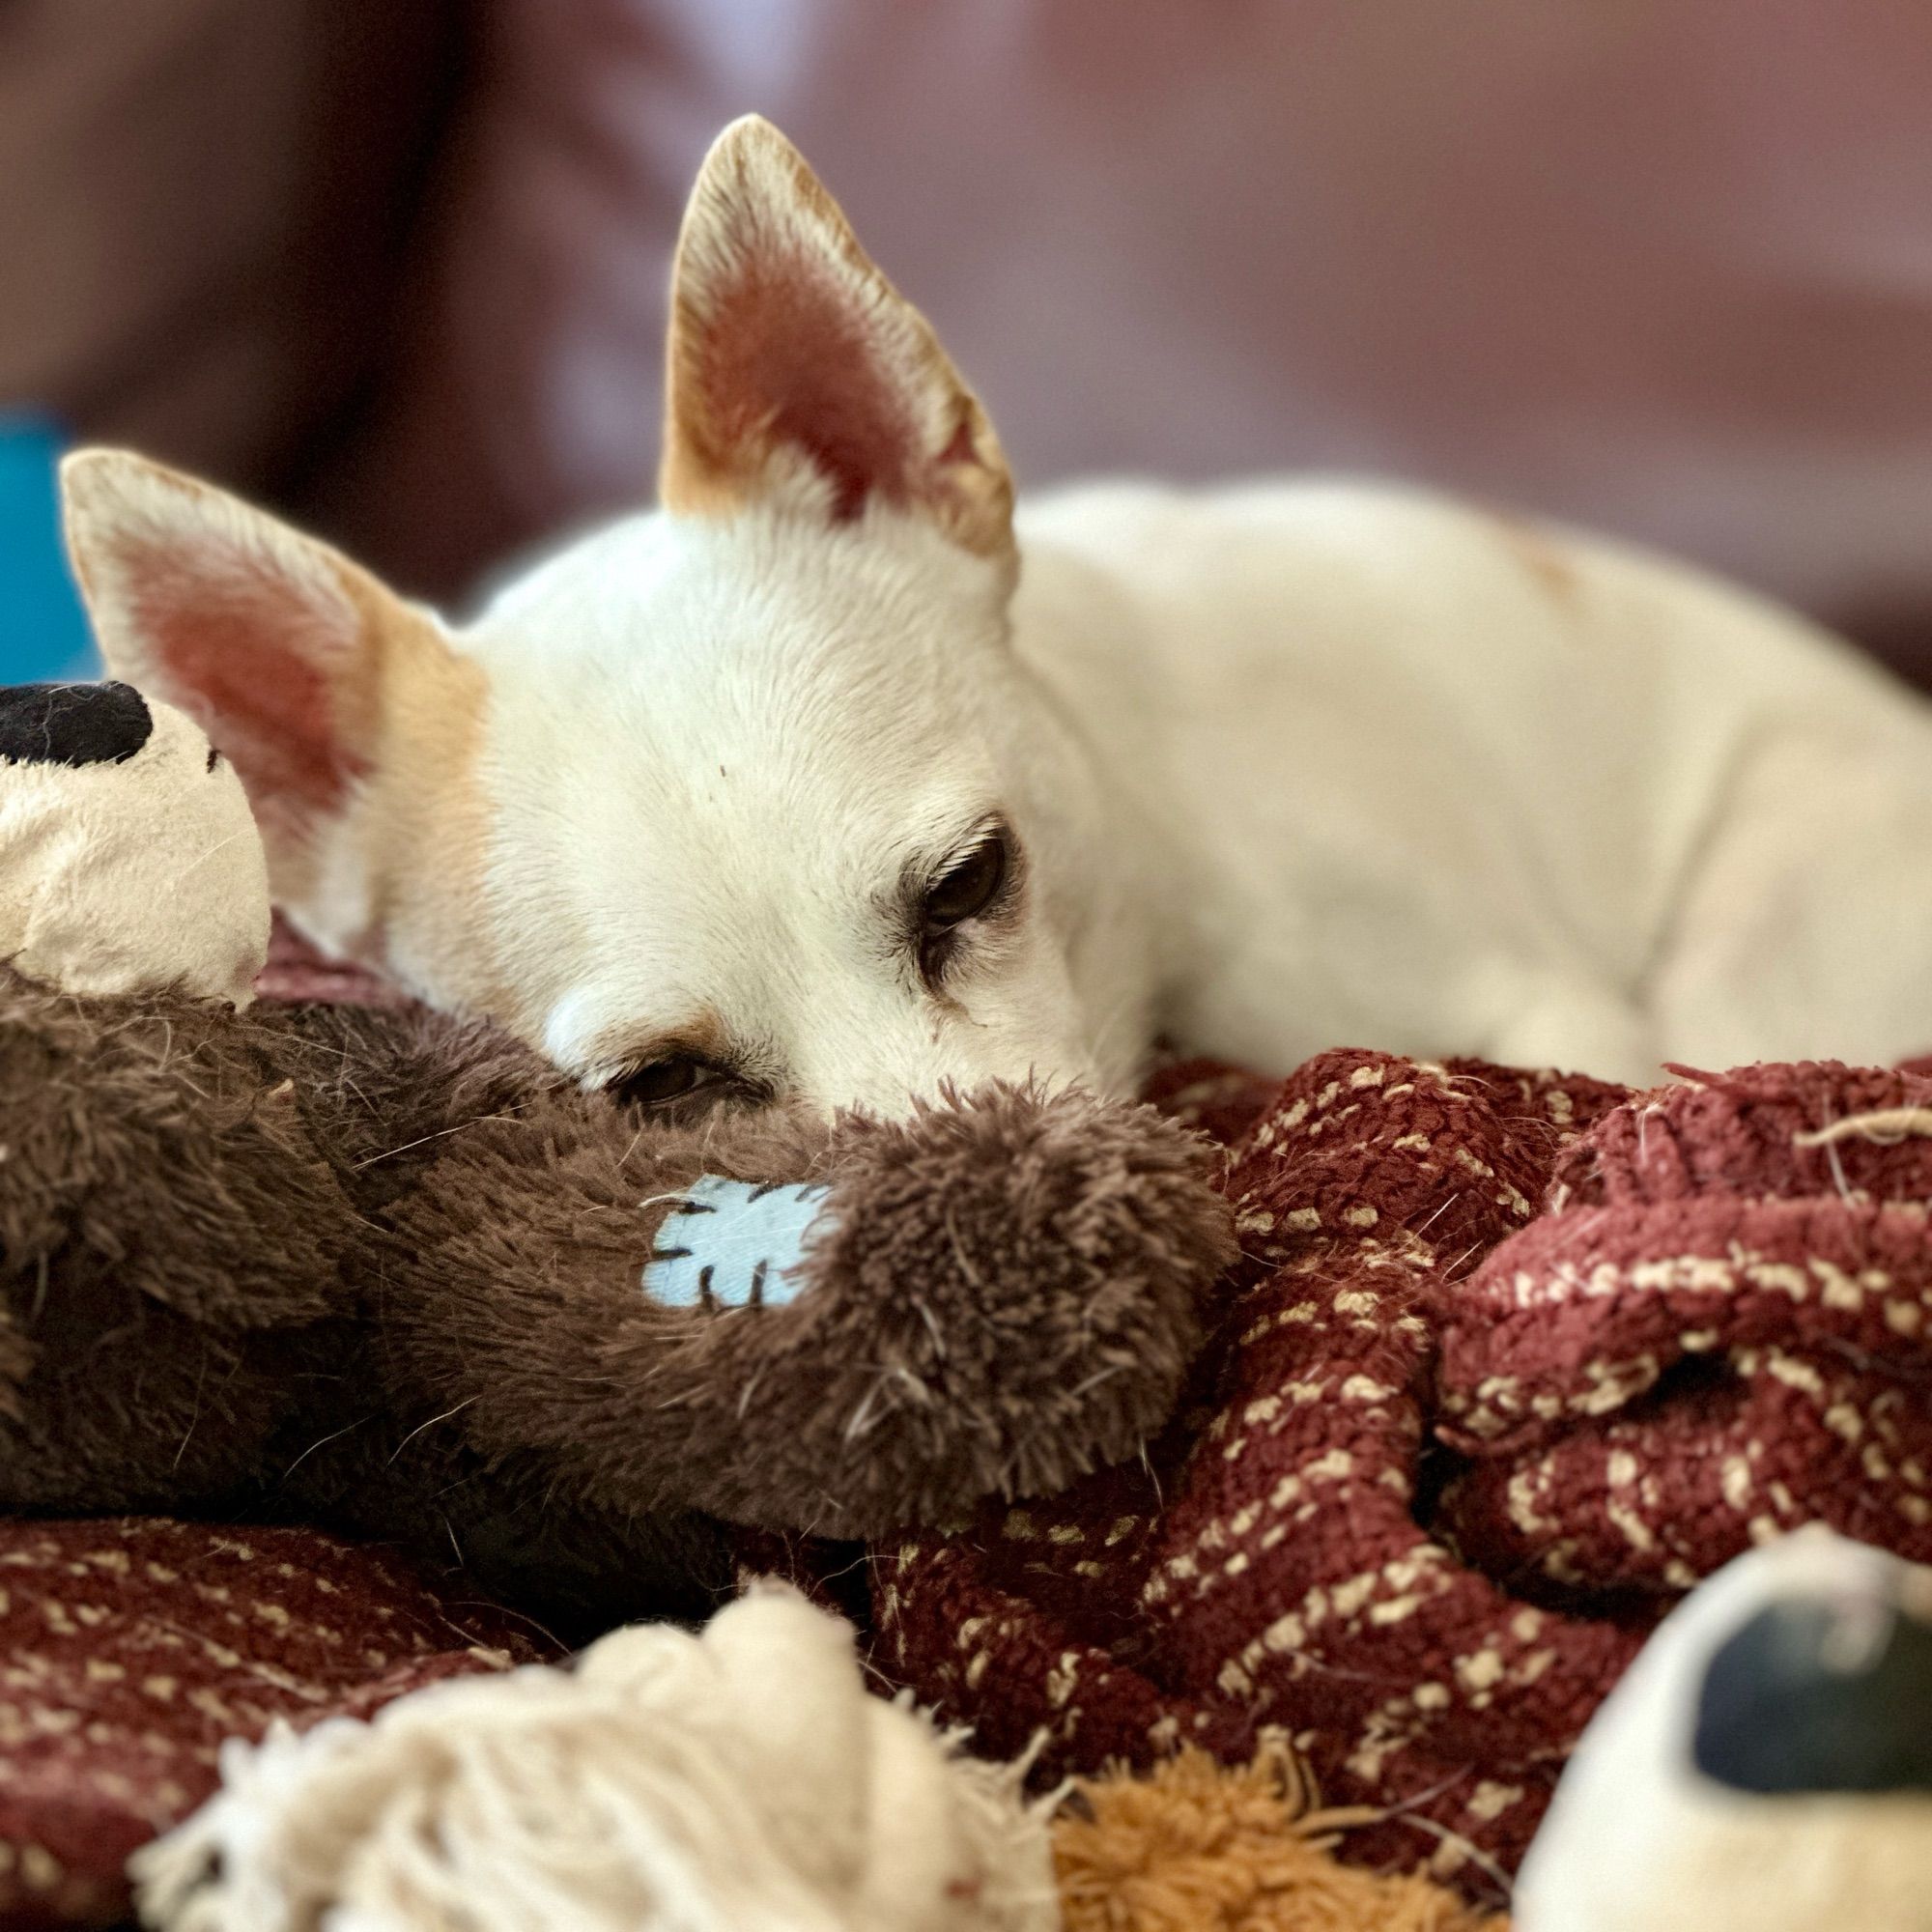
(730, 736)
(1419, 793)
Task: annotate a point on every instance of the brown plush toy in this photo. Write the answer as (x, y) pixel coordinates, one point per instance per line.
(390, 1273)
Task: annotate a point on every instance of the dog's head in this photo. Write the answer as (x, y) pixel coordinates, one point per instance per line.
(751, 794)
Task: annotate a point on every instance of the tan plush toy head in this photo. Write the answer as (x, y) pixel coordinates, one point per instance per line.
(129, 860)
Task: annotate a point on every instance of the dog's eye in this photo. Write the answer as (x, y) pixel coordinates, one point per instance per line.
(662, 1080)
(969, 888)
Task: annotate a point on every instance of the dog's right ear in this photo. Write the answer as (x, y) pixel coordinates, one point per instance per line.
(277, 645)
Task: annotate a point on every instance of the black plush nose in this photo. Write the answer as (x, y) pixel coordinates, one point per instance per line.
(1815, 1694)
(73, 724)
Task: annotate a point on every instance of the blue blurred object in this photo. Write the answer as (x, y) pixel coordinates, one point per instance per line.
(44, 629)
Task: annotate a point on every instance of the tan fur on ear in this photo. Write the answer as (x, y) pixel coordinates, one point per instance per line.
(350, 721)
(271, 641)
(790, 355)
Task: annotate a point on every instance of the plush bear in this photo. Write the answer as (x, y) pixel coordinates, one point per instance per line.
(392, 1274)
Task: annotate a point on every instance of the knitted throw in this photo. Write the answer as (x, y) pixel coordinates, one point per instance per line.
(1512, 1360)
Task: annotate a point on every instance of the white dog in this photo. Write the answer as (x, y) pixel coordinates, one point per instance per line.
(833, 778)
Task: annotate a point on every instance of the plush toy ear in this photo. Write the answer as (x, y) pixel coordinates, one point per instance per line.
(273, 642)
(795, 366)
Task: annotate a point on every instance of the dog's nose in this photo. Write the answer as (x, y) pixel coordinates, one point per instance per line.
(73, 724)
(1821, 1694)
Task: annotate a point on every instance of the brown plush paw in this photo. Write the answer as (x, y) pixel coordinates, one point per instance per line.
(991, 1297)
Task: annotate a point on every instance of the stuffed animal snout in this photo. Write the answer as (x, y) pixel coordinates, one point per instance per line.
(1766, 1764)
(130, 862)
(1826, 1691)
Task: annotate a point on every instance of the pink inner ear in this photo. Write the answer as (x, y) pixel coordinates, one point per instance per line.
(789, 358)
(235, 655)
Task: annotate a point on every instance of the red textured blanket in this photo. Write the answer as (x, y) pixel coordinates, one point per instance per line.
(131, 1647)
(1511, 1361)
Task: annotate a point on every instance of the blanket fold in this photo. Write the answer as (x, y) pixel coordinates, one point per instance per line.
(1511, 1361)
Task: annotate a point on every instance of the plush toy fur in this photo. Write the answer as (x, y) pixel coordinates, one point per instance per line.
(388, 1273)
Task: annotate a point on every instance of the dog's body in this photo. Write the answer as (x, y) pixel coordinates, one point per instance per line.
(1413, 773)
(830, 778)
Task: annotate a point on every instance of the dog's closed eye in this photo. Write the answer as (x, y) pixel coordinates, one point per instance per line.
(685, 1069)
(678, 1076)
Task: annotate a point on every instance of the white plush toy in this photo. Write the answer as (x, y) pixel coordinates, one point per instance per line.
(743, 1780)
(1765, 1766)
(128, 858)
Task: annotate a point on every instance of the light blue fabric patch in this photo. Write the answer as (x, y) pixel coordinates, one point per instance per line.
(44, 629)
(732, 1244)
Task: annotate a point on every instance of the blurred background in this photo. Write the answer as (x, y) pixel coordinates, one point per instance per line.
(398, 267)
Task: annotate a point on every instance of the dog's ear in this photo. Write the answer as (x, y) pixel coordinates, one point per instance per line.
(277, 645)
(795, 366)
